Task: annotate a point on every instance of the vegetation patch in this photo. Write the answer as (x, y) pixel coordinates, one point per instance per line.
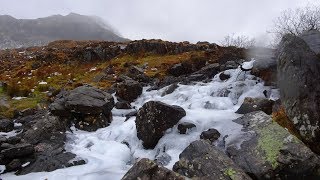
(271, 140)
(230, 173)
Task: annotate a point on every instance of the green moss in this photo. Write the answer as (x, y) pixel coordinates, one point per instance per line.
(270, 142)
(1, 90)
(30, 102)
(230, 172)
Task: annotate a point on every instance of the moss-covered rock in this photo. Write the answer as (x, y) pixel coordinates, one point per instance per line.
(267, 151)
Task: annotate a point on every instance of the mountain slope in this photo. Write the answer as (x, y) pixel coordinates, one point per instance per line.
(33, 32)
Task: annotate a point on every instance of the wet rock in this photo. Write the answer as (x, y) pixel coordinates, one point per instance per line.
(168, 80)
(224, 76)
(88, 107)
(6, 125)
(6, 145)
(185, 126)
(45, 128)
(153, 119)
(47, 134)
(146, 169)
(123, 105)
(47, 162)
(210, 134)
(229, 65)
(267, 150)
(13, 140)
(129, 90)
(255, 104)
(76, 163)
(170, 89)
(298, 77)
(200, 160)
(17, 151)
(13, 165)
(209, 71)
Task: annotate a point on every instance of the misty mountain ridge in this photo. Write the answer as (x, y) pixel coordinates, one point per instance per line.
(16, 33)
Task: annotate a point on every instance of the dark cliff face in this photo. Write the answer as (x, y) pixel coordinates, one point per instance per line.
(33, 32)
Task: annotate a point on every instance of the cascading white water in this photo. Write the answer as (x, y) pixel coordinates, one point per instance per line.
(208, 105)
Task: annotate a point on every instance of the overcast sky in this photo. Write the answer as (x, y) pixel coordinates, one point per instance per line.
(174, 20)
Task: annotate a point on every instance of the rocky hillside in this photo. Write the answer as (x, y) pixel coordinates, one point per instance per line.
(154, 109)
(16, 33)
(43, 71)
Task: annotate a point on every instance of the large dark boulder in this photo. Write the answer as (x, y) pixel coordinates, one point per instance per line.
(129, 90)
(255, 104)
(89, 107)
(146, 169)
(200, 160)
(269, 151)
(154, 118)
(298, 80)
(6, 125)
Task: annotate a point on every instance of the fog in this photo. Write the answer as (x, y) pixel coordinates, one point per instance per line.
(174, 20)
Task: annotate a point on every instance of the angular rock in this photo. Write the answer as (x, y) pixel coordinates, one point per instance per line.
(46, 128)
(13, 165)
(270, 151)
(6, 125)
(129, 90)
(47, 134)
(185, 126)
(18, 151)
(170, 89)
(48, 161)
(89, 100)
(179, 69)
(200, 160)
(211, 135)
(209, 71)
(146, 169)
(123, 105)
(153, 119)
(298, 81)
(224, 76)
(255, 104)
(89, 107)
(137, 74)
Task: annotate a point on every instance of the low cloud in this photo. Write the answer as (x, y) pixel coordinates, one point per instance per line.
(178, 20)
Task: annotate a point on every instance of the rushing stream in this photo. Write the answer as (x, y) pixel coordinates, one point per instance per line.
(111, 151)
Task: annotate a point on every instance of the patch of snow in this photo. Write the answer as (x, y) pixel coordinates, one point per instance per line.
(18, 98)
(42, 83)
(93, 69)
(25, 164)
